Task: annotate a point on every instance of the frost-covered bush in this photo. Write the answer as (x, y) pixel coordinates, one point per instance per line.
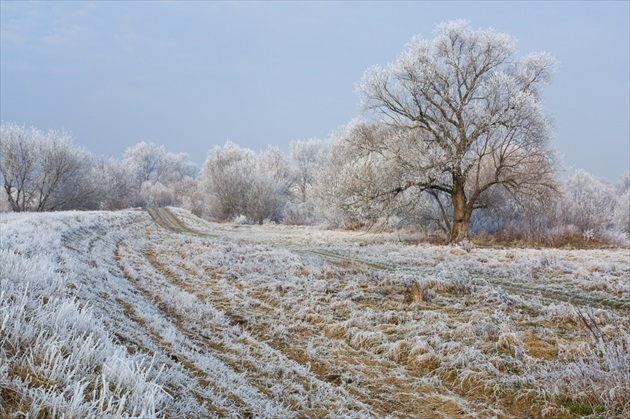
(588, 203)
(584, 208)
(307, 158)
(599, 379)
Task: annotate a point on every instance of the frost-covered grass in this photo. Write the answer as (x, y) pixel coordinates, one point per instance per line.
(110, 314)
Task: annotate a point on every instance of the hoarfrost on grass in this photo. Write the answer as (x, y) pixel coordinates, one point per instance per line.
(109, 314)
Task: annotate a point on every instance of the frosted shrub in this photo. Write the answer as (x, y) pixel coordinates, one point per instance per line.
(241, 220)
(467, 245)
(588, 235)
(600, 379)
(237, 181)
(44, 171)
(589, 204)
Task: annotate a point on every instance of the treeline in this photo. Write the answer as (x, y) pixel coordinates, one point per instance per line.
(318, 182)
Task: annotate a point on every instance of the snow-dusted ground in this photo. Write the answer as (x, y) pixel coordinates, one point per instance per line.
(151, 314)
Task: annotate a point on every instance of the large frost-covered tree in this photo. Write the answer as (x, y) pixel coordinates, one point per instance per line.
(467, 117)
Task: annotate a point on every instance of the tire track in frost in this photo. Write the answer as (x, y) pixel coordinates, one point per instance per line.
(253, 354)
(134, 329)
(553, 294)
(550, 294)
(221, 381)
(371, 384)
(166, 219)
(158, 215)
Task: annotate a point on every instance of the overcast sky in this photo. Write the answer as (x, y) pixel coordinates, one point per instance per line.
(191, 75)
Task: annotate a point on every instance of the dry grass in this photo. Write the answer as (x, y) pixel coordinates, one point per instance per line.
(276, 321)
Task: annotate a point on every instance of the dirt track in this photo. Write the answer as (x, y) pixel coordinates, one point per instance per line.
(168, 220)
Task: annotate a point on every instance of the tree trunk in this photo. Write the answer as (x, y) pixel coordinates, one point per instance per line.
(460, 231)
(461, 212)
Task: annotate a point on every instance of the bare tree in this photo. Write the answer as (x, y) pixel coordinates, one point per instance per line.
(44, 171)
(589, 204)
(237, 181)
(157, 174)
(467, 117)
(18, 165)
(306, 158)
(116, 186)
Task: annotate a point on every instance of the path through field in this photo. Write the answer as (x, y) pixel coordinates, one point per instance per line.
(552, 293)
(285, 330)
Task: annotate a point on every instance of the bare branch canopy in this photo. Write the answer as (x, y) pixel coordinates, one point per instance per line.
(464, 116)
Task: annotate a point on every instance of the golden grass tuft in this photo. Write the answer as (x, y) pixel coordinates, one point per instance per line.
(539, 348)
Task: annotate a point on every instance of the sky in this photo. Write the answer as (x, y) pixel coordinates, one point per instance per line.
(192, 75)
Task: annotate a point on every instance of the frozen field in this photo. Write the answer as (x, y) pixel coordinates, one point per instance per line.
(160, 314)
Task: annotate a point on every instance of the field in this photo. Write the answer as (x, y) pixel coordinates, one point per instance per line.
(156, 313)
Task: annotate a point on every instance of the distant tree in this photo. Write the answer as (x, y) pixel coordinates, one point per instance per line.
(155, 172)
(238, 182)
(624, 183)
(44, 171)
(273, 177)
(622, 215)
(18, 165)
(466, 117)
(347, 186)
(192, 198)
(116, 186)
(306, 157)
(588, 203)
(224, 180)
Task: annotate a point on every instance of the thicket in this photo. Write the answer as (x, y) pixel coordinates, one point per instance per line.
(319, 182)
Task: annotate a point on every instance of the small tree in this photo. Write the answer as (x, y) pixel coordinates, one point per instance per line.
(306, 159)
(467, 118)
(237, 181)
(18, 165)
(589, 204)
(116, 188)
(622, 215)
